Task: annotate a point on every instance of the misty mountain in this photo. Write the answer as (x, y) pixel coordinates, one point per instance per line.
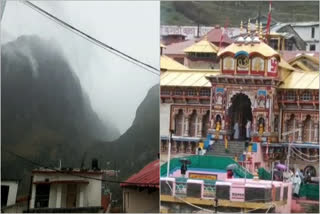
(46, 117)
(45, 114)
(138, 146)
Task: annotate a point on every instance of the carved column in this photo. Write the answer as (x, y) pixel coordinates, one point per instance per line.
(316, 133)
(182, 147)
(174, 147)
(300, 127)
(189, 148)
(186, 125)
(199, 130)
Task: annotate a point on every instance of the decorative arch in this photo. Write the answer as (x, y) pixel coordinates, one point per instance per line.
(308, 130)
(193, 124)
(178, 123)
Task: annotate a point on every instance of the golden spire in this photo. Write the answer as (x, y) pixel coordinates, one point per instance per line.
(249, 26)
(260, 33)
(241, 26)
(257, 28)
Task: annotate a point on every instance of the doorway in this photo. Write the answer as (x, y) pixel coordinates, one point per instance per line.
(240, 112)
(71, 195)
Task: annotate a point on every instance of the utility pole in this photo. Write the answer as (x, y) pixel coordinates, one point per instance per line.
(169, 152)
(289, 145)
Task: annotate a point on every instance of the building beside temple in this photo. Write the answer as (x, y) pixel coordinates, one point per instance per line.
(224, 88)
(141, 190)
(68, 190)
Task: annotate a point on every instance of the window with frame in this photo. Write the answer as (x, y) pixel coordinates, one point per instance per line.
(312, 32)
(178, 92)
(306, 96)
(205, 92)
(290, 95)
(165, 91)
(312, 47)
(191, 92)
(42, 195)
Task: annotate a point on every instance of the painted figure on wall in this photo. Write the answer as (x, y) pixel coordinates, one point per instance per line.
(218, 123)
(261, 126)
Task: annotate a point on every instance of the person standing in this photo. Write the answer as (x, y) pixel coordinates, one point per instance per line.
(248, 129)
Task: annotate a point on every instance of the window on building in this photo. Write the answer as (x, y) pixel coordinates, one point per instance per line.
(274, 44)
(178, 92)
(191, 92)
(312, 47)
(291, 95)
(4, 195)
(306, 96)
(165, 91)
(312, 32)
(42, 195)
(205, 92)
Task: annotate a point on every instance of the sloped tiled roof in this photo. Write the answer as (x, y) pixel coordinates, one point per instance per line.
(149, 176)
(301, 80)
(289, 55)
(168, 63)
(214, 36)
(177, 48)
(203, 46)
(187, 78)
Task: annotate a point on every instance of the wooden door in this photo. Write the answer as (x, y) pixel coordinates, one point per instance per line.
(71, 195)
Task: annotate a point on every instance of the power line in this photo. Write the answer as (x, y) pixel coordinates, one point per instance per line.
(89, 38)
(61, 171)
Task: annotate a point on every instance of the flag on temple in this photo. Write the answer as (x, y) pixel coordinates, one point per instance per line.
(269, 20)
(224, 31)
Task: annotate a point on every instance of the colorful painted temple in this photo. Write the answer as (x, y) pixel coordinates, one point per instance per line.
(243, 100)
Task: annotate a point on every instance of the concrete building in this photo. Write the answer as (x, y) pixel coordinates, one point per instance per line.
(67, 190)
(309, 32)
(141, 190)
(9, 189)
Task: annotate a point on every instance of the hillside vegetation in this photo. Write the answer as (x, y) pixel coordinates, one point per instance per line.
(216, 12)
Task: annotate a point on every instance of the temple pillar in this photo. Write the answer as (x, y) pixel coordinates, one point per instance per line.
(181, 150)
(186, 126)
(174, 147)
(316, 133)
(189, 147)
(300, 127)
(199, 131)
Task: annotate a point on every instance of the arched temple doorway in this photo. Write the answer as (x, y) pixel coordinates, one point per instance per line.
(240, 112)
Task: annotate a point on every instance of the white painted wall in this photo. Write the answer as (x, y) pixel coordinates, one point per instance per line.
(164, 119)
(13, 189)
(91, 191)
(305, 33)
(140, 201)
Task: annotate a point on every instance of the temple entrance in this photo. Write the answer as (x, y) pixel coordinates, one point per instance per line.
(239, 113)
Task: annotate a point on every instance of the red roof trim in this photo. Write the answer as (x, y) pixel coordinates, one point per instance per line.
(62, 182)
(149, 176)
(67, 172)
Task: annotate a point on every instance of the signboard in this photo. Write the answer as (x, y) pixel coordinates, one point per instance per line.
(203, 176)
(237, 193)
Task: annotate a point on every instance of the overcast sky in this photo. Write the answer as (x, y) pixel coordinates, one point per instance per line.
(116, 87)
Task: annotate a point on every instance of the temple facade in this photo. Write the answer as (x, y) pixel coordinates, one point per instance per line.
(223, 92)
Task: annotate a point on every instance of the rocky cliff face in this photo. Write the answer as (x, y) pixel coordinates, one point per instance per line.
(45, 114)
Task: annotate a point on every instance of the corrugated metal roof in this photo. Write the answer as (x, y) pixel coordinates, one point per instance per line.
(170, 64)
(301, 80)
(190, 77)
(260, 47)
(204, 46)
(149, 176)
